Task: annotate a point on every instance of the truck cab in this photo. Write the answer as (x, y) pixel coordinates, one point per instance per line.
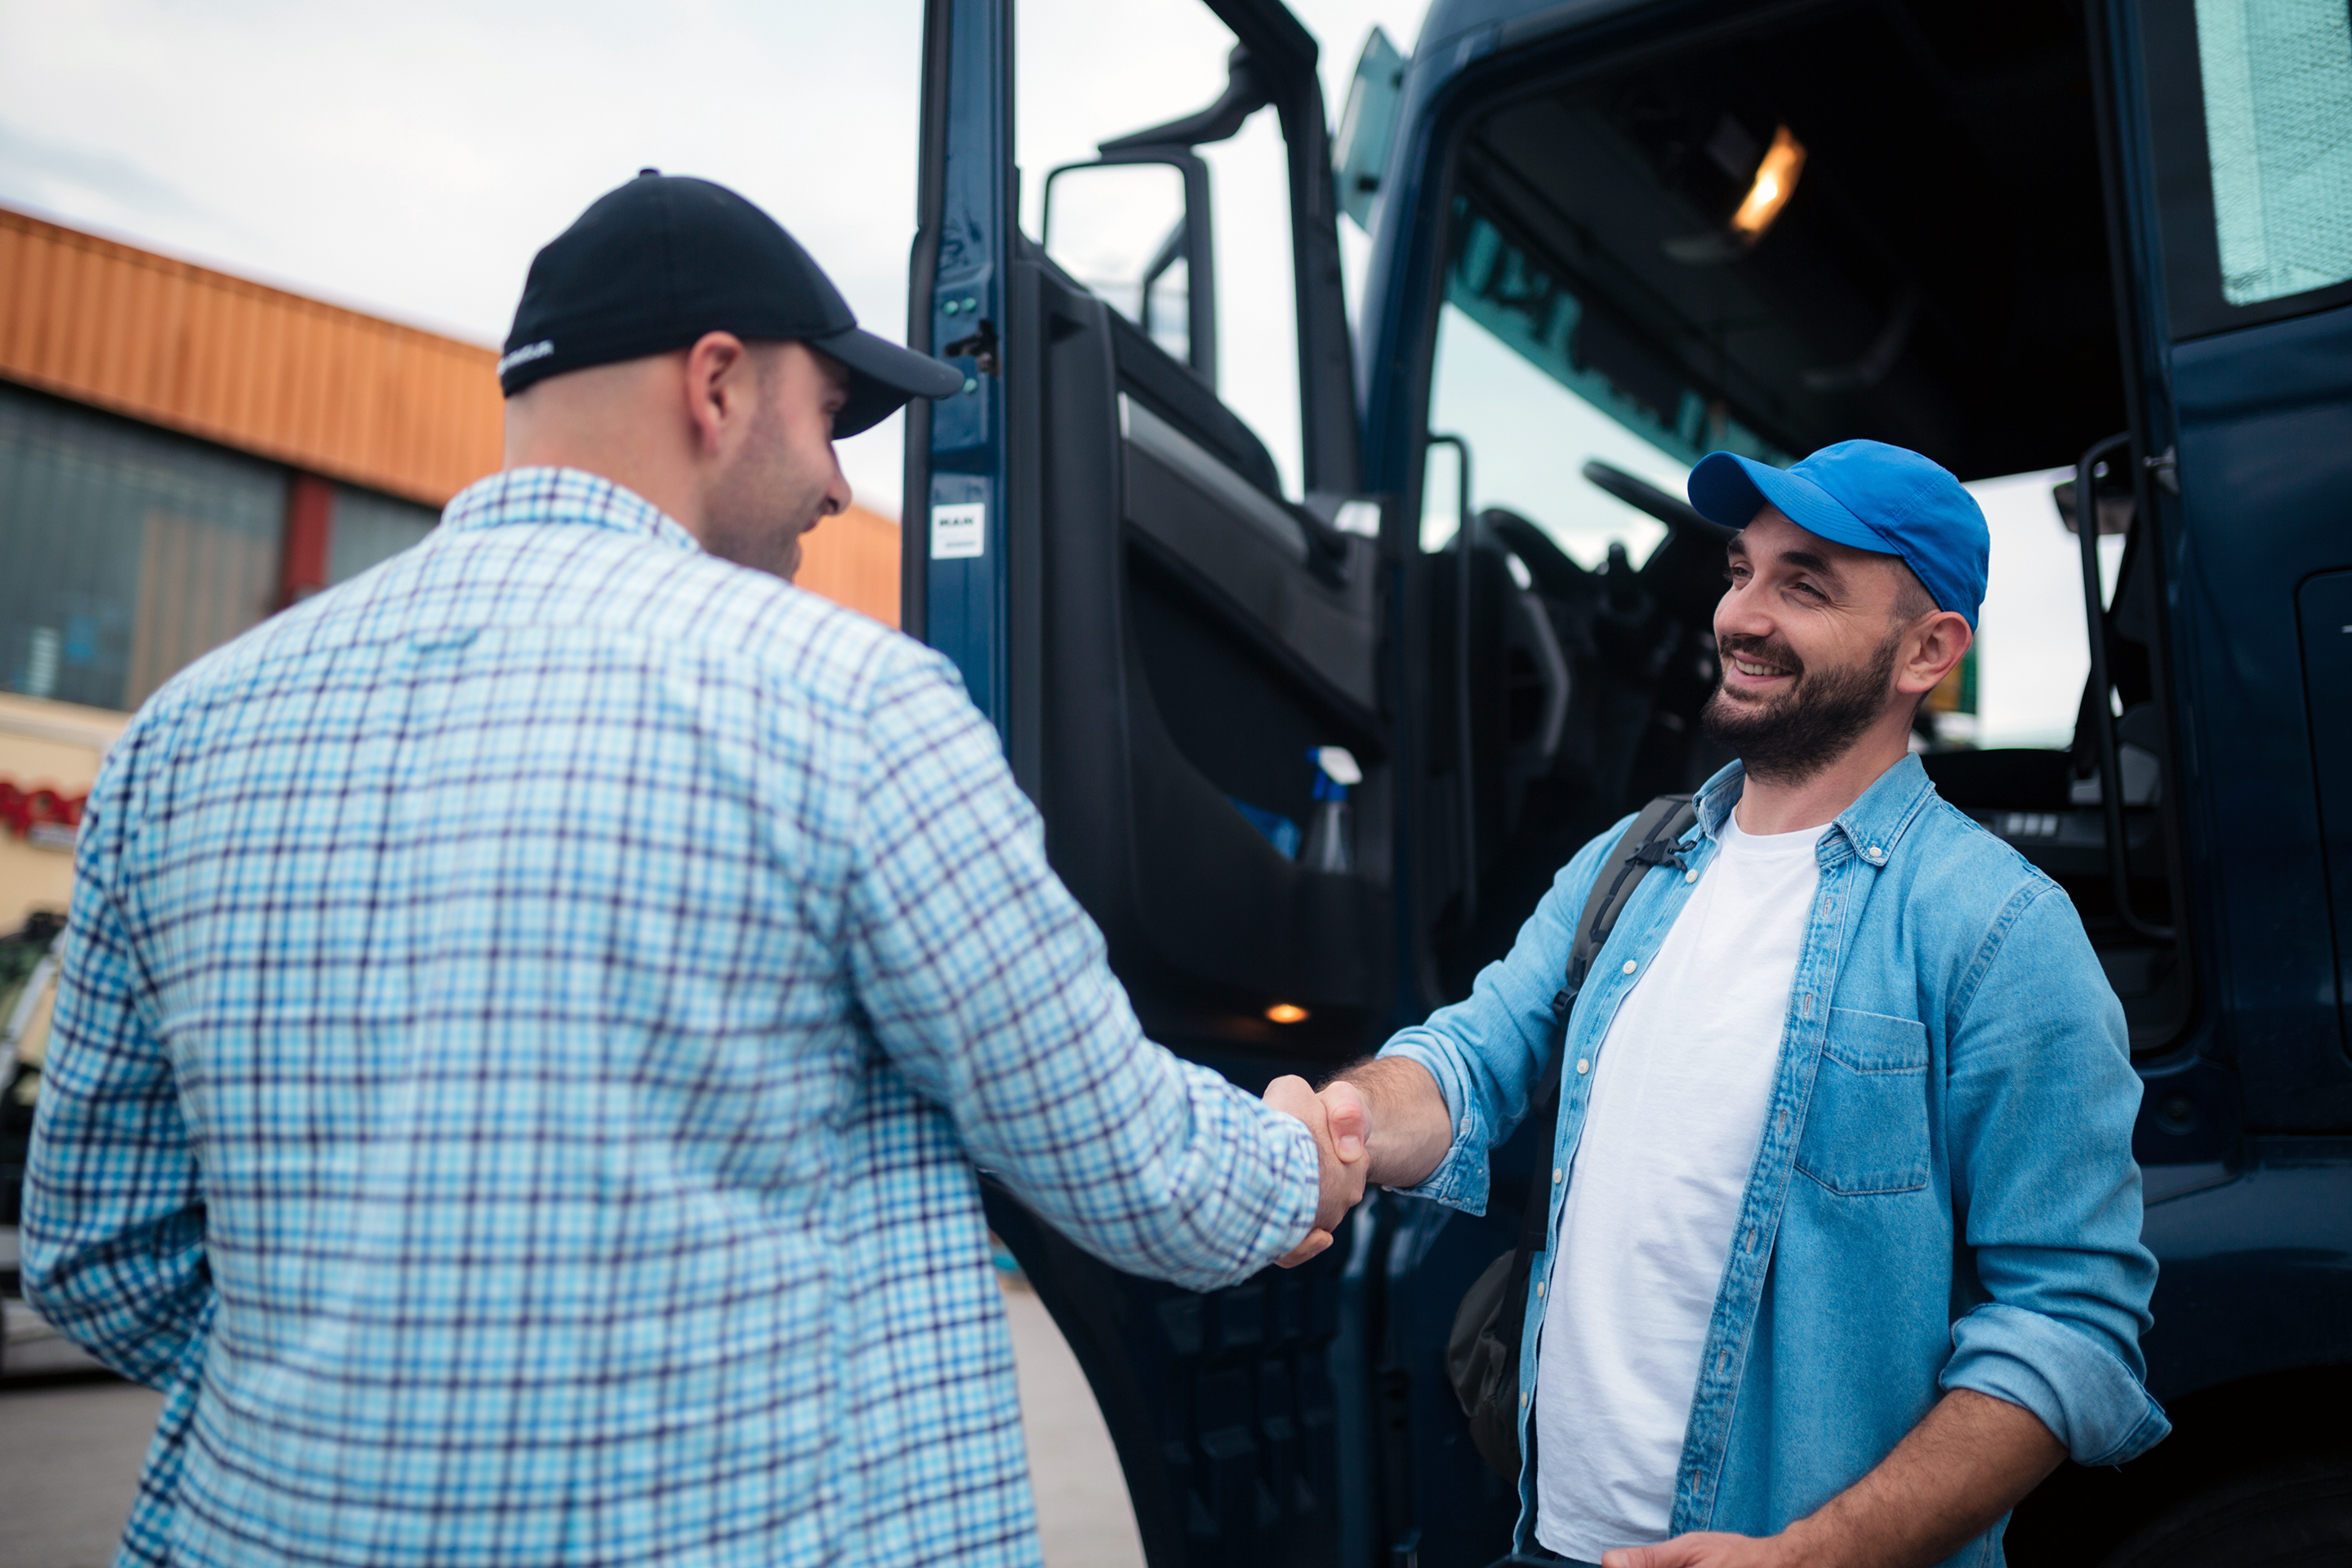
(1318, 668)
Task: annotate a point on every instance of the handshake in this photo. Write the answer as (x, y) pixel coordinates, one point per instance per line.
(1342, 1122)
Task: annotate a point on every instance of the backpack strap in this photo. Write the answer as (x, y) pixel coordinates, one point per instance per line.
(1652, 838)
(1483, 1351)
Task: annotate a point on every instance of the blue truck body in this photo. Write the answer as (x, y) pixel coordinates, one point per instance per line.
(1155, 646)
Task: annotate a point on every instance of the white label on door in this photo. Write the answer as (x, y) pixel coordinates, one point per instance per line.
(960, 532)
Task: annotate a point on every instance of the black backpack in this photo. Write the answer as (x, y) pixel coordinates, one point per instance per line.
(1482, 1354)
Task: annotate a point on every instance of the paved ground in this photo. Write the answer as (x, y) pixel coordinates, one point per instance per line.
(70, 1456)
(1082, 1509)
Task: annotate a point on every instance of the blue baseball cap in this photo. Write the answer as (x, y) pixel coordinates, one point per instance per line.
(1868, 495)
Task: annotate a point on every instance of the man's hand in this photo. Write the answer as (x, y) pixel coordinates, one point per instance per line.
(1342, 1159)
(1707, 1548)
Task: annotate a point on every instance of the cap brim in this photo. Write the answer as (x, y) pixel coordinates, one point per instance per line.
(1730, 489)
(882, 377)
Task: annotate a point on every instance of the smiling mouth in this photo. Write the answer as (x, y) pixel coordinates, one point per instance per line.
(1754, 670)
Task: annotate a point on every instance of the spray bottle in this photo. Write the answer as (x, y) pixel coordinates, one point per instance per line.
(1331, 836)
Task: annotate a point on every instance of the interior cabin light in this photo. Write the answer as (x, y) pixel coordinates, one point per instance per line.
(1775, 182)
(1286, 1012)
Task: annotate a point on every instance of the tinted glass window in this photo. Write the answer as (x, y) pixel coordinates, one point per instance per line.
(2278, 130)
(131, 552)
(2248, 111)
(370, 529)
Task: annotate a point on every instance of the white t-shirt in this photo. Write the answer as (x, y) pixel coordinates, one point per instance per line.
(1679, 1097)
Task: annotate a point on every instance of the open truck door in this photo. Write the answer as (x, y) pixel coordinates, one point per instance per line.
(1182, 662)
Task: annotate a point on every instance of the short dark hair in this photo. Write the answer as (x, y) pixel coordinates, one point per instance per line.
(1912, 599)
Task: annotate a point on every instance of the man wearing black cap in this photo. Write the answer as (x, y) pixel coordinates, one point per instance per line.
(530, 1013)
(678, 342)
(1842, 1227)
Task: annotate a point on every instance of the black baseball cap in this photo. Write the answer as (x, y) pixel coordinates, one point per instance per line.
(654, 264)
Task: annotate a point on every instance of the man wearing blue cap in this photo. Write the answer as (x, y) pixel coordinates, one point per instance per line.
(1842, 1253)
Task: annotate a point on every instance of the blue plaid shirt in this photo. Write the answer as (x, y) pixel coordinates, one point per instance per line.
(530, 1019)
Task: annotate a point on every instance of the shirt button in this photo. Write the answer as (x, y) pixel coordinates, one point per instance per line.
(1874, 853)
(1691, 875)
(1523, 1402)
(1539, 1285)
(1584, 1063)
(1555, 1174)
(1630, 966)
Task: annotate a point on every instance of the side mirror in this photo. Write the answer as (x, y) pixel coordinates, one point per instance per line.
(1135, 228)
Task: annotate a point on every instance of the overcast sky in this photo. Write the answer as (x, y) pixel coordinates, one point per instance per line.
(408, 159)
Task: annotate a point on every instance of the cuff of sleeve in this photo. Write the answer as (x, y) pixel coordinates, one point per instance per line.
(1461, 1178)
(2087, 1397)
(1305, 1185)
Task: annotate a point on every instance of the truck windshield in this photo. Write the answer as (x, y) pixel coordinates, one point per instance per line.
(1834, 222)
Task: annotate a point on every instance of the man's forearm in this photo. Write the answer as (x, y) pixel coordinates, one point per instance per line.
(1405, 1127)
(1967, 1463)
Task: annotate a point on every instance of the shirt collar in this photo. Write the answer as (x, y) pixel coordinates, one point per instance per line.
(542, 496)
(1871, 829)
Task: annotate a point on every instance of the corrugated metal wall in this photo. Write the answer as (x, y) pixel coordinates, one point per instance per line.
(310, 385)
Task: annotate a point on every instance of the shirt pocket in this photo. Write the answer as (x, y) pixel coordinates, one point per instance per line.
(1867, 1130)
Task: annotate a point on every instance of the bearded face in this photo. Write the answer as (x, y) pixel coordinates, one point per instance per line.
(1793, 732)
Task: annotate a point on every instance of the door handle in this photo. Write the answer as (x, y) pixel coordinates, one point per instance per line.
(2103, 719)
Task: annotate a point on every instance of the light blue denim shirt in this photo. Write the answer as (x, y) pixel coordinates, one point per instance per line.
(1943, 1196)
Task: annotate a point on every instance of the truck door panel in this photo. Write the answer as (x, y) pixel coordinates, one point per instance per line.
(2253, 375)
(2262, 477)
(1161, 639)
(1189, 573)
(1249, 556)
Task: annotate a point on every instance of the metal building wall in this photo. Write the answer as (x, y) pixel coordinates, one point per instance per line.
(125, 552)
(310, 385)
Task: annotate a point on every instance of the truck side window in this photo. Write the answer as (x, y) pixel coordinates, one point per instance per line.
(2278, 131)
(2249, 112)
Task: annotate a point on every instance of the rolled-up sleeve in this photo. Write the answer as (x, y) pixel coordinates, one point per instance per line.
(2039, 1120)
(1488, 1051)
(987, 985)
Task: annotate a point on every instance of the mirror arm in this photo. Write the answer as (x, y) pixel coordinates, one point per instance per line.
(1245, 93)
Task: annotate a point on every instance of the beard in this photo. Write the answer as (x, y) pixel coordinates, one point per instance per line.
(1788, 739)
(755, 513)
